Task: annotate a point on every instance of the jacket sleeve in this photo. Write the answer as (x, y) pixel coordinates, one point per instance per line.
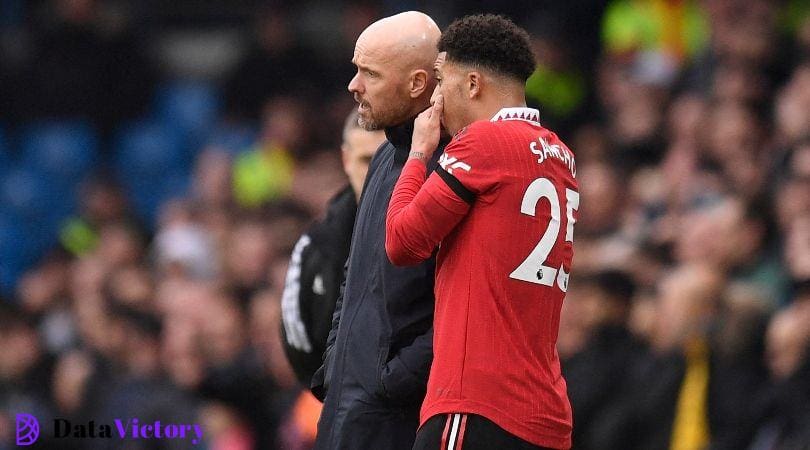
(420, 215)
(320, 380)
(403, 379)
(302, 349)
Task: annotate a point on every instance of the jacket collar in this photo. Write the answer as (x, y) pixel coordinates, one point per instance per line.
(400, 137)
(519, 113)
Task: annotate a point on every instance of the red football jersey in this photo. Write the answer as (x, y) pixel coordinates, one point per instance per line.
(503, 207)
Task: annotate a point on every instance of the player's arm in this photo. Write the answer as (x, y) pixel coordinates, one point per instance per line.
(421, 213)
(419, 217)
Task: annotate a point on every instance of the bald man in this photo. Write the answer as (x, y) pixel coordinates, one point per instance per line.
(380, 347)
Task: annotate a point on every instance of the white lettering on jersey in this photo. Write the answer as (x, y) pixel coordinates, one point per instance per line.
(547, 150)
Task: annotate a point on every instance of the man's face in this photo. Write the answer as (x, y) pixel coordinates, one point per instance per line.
(451, 84)
(358, 149)
(379, 86)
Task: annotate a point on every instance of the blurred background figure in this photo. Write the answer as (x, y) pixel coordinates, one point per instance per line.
(605, 348)
(162, 162)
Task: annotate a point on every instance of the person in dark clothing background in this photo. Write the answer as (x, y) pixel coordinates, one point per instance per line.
(379, 350)
(781, 411)
(315, 273)
(691, 390)
(274, 55)
(606, 353)
(81, 67)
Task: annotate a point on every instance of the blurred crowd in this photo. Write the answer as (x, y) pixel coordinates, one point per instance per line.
(147, 282)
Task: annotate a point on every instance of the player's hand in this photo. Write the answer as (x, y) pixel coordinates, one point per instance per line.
(427, 130)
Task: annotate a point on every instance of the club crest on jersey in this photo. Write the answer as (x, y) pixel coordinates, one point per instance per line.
(449, 163)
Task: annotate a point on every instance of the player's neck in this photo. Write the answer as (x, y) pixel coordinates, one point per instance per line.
(494, 105)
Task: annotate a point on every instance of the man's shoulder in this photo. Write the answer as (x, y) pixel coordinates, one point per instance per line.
(339, 219)
(384, 151)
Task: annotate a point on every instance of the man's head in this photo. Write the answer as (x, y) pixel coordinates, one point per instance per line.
(687, 304)
(787, 340)
(483, 64)
(358, 148)
(394, 58)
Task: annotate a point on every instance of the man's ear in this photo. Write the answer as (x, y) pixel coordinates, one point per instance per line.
(474, 80)
(419, 83)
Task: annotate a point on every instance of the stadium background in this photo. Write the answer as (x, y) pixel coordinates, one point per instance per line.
(158, 160)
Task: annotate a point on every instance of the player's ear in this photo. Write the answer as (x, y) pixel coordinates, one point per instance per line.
(418, 83)
(473, 84)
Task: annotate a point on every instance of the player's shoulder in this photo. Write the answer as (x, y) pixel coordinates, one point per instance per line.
(500, 127)
(550, 138)
(480, 127)
(476, 132)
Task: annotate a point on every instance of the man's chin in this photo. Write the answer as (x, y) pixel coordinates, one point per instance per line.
(366, 124)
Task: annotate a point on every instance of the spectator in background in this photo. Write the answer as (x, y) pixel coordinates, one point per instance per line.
(85, 66)
(137, 387)
(689, 393)
(184, 248)
(265, 173)
(734, 147)
(790, 111)
(24, 370)
(72, 378)
(782, 410)
(606, 352)
(235, 377)
(646, 26)
(797, 250)
(248, 254)
(743, 253)
(212, 181)
(632, 96)
(271, 67)
(101, 201)
(558, 86)
(744, 41)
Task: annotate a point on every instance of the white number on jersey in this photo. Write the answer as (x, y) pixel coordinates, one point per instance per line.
(533, 268)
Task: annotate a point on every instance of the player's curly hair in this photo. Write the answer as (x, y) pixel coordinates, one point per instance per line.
(491, 42)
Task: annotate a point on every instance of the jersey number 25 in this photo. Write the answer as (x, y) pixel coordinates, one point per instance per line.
(533, 268)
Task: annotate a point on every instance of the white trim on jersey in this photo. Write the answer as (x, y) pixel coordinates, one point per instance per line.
(290, 308)
(520, 113)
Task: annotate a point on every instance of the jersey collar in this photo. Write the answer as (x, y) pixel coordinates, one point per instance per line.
(519, 113)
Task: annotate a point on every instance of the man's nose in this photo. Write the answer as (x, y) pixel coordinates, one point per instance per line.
(354, 84)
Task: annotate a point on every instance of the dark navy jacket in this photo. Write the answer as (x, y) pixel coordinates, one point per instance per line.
(379, 350)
